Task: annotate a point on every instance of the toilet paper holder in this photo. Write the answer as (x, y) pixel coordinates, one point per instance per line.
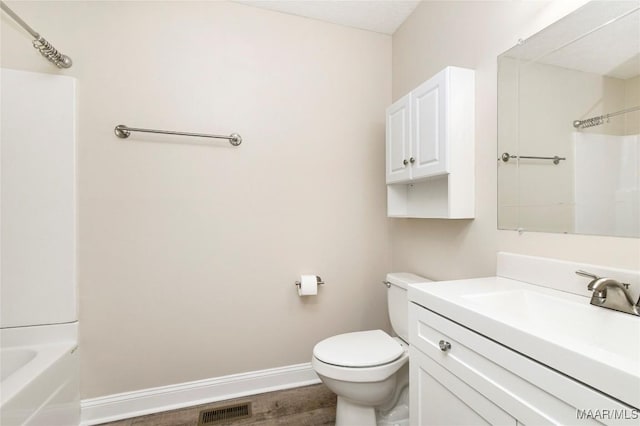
(318, 279)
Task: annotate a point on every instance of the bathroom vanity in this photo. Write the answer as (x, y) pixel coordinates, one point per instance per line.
(524, 347)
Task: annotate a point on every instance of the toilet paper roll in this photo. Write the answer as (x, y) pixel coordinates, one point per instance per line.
(308, 285)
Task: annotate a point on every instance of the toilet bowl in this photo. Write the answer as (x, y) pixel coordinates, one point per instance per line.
(368, 370)
(365, 384)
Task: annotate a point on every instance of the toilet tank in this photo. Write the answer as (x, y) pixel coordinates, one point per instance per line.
(398, 301)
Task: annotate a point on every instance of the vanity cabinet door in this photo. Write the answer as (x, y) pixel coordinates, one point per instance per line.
(398, 144)
(440, 398)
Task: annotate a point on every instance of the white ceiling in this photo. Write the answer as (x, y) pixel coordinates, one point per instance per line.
(381, 16)
(600, 38)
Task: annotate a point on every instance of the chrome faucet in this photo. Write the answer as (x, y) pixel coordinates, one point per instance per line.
(619, 299)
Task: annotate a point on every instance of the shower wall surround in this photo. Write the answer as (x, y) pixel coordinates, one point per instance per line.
(188, 252)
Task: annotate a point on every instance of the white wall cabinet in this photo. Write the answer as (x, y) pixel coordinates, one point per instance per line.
(430, 148)
(474, 380)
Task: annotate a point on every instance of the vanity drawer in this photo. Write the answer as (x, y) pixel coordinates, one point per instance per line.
(525, 389)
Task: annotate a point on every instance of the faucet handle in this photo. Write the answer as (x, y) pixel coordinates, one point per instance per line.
(587, 274)
(594, 279)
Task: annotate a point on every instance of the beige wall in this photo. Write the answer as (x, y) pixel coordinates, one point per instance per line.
(472, 34)
(188, 253)
(632, 99)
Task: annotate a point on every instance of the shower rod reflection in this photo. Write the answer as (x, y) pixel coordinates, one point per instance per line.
(506, 157)
(596, 121)
(45, 48)
(123, 132)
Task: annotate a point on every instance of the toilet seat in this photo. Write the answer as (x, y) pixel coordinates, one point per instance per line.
(376, 373)
(358, 349)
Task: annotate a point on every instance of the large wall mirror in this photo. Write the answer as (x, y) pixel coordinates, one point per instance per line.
(569, 125)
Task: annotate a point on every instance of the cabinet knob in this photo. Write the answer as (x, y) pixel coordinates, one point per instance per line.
(444, 346)
(405, 162)
(412, 160)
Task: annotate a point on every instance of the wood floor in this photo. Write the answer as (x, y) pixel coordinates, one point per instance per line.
(307, 406)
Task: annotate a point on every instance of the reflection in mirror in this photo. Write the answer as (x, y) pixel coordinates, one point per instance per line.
(569, 125)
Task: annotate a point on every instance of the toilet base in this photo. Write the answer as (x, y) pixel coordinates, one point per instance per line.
(350, 414)
(399, 414)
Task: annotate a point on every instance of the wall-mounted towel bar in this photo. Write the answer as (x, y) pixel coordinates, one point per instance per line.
(506, 157)
(123, 131)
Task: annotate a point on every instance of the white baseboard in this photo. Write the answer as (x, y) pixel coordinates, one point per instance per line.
(147, 401)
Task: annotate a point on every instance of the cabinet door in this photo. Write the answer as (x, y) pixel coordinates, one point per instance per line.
(429, 130)
(440, 398)
(398, 141)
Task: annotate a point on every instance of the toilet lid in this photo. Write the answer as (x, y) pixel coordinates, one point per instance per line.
(359, 349)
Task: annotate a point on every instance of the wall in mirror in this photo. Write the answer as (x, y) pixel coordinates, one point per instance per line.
(569, 125)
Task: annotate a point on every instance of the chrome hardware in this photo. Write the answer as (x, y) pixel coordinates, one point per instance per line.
(506, 157)
(587, 274)
(405, 162)
(235, 139)
(318, 279)
(45, 48)
(412, 160)
(123, 132)
(51, 53)
(611, 294)
(387, 283)
(444, 346)
(596, 121)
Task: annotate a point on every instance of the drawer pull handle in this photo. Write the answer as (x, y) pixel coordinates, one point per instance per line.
(444, 346)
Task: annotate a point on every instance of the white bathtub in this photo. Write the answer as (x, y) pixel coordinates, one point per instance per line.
(39, 375)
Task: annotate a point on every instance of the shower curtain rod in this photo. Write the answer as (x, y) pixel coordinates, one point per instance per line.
(596, 121)
(45, 48)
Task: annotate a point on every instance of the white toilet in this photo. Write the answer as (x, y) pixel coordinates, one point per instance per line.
(369, 370)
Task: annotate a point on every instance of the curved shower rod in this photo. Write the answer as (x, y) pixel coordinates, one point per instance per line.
(596, 121)
(45, 48)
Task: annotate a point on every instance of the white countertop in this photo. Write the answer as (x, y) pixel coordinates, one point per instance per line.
(594, 345)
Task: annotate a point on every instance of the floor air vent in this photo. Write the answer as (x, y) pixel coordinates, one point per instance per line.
(223, 414)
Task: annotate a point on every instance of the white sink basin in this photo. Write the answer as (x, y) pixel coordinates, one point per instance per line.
(571, 319)
(596, 346)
